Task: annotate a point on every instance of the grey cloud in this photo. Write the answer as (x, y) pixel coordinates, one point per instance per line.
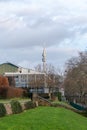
(36, 36)
(24, 29)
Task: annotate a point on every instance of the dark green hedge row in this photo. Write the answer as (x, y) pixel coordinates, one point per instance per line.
(2, 110)
(29, 105)
(16, 107)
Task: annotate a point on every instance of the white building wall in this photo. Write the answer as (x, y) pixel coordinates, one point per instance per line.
(23, 79)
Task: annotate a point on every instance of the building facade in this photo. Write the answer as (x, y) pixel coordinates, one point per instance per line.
(27, 78)
(32, 80)
(23, 77)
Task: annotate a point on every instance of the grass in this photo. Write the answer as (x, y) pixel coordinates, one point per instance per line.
(63, 104)
(60, 102)
(44, 118)
(18, 99)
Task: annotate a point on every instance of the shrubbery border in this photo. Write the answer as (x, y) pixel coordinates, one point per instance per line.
(15, 107)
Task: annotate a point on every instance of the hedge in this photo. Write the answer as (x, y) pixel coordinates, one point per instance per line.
(2, 110)
(29, 105)
(16, 107)
(59, 96)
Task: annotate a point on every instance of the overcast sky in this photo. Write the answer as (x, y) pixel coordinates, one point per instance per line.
(26, 25)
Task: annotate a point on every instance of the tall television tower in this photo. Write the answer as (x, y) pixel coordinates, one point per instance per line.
(44, 60)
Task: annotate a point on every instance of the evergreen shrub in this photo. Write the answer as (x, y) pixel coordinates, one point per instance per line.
(2, 110)
(59, 96)
(16, 107)
(29, 105)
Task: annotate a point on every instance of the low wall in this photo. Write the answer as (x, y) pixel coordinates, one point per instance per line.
(40, 101)
(9, 109)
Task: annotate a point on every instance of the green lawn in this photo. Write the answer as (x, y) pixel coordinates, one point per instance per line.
(44, 118)
(18, 99)
(63, 104)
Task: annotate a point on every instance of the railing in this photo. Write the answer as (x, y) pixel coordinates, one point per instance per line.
(43, 99)
(77, 106)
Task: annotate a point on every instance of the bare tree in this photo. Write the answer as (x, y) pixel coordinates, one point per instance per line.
(52, 77)
(39, 68)
(76, 77)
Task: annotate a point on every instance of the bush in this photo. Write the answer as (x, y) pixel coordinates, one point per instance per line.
(29, 105)
(16, 107)
(59, 96)
(25, 94)
(2, 110)
(15, 92)
(3, 92)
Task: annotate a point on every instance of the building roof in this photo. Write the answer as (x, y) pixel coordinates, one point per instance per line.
(8, 63)
(8, 67)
